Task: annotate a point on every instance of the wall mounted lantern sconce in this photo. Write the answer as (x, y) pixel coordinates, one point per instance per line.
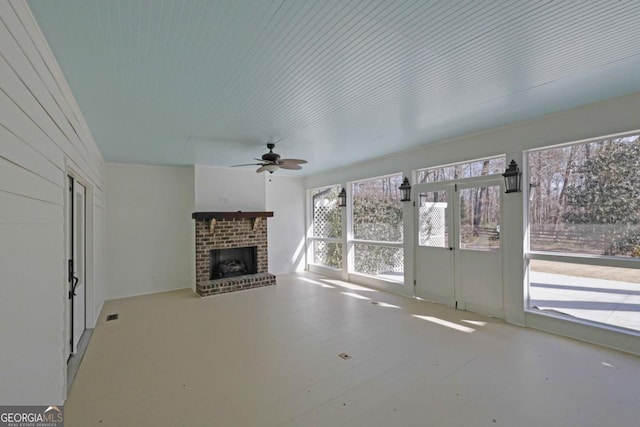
(342, 198)
(405, 190)
(512, 178)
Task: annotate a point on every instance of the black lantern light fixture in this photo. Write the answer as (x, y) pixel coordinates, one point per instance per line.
(405, 190)
(342, 198)
(512, 178)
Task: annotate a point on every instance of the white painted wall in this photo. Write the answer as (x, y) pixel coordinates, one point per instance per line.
(229, 189)
(149, 229)
(600, 119)
(233, 189)
(150, 239)
(286, 198)
(43, 136)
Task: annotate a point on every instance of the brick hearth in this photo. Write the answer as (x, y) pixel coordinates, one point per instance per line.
(230, 230)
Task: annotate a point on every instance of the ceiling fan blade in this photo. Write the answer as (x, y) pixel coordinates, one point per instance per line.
(271, 162)
(292, 161)
(248, 164)
(290, 166)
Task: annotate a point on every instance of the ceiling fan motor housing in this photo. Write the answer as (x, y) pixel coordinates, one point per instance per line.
(271, 156)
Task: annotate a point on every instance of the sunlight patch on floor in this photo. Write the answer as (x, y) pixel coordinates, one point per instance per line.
(474, 322)
(354, 295)
(446, 323)
(315, 282)
(347, 285)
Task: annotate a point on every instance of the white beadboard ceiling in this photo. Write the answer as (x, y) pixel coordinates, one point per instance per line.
(334, 81)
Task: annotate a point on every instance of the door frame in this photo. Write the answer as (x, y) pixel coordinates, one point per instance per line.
(77, 270)
(90, 314)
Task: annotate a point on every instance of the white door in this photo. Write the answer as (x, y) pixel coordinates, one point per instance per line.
(77, 288)
(478, 210)
(434, 243)
(458, 257)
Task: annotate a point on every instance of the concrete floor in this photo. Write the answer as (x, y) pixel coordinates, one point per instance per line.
(270, 357)
(610, 302)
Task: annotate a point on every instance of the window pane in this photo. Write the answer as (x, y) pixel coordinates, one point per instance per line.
(327, 216)
(608, 295)
(463, 170)
(432, 219)
(585, 198)
(381, 261)
(377, 209)
(327, 253)
(480, 218)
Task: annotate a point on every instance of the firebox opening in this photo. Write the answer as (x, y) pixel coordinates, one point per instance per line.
(233, 262)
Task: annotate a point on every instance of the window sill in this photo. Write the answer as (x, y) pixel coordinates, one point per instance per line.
(592, 332)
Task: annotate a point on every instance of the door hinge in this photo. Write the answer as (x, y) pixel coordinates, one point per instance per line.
(414, 283)
(455, 187)
(70, 270)
(414, 203)
(456, 305)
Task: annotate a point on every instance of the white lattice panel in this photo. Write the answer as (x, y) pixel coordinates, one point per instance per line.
(432, 225)
(326, 221)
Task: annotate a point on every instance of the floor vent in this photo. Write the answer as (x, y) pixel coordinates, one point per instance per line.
(344, 356)
(112, 317)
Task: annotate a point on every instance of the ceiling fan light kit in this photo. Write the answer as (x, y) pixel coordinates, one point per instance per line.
(271, 162)
(269, 168)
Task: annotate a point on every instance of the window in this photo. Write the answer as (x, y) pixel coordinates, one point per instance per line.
(326, 227)
(476, 168)
(585, 198)
(378, 227)
(433, 227)
(479, 212)
(584, 230)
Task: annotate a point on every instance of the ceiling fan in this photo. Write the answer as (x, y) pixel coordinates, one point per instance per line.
(271, 162)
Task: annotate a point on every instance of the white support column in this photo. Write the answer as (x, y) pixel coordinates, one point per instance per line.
(512, 231)
(347, 233)
(408, 229)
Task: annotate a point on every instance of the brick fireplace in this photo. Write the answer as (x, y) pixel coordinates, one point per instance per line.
(231, 251)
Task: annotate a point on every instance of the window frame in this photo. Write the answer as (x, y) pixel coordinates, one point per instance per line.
(352, 241)
(589, 259)
(417, 172)
(566, 257)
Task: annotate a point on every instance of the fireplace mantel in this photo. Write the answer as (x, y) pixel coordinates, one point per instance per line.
(214, 217)
(203, 216)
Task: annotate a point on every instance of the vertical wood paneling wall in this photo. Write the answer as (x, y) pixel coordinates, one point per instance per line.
(43, 136)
